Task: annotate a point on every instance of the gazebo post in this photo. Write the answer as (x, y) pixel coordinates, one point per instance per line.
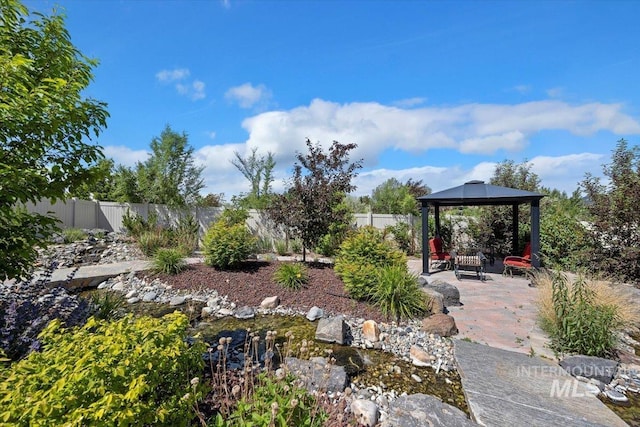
(514, 227)
(426, 250)
(535, 233)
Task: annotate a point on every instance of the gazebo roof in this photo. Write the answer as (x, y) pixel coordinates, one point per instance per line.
(477, 193)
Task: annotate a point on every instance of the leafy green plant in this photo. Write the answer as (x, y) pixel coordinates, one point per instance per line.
(281, 247)
(134, 371)
(227, 243)
(71, 235)
(106, 305)
(169, 261)
(291, 275)
(397, 293)
(360, 255)
(277, 402)
(402, 236)
(580, 322)
(150, 241)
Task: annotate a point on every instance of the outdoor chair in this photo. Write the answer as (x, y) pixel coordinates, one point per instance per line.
(438, 256)
(518, 263)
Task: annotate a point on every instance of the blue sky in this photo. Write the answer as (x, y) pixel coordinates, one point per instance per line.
(436, 90)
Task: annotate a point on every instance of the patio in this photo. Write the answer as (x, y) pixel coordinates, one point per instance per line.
(500, 311)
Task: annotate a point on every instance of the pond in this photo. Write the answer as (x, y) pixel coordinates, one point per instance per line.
(366, 368)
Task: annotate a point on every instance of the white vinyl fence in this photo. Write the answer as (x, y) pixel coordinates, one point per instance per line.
(75, 213)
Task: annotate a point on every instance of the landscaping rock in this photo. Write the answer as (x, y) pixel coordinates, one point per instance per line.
(418, 410)
(450, 293)
(332, 330)
(590, 367)
(440, 324)
(312, 373)
(371, 331)
(177, 300)
(436, 301)
(270, 302)
(245, 312)
(149, 296)
(315, 313)
(366, 412)
(419, 357)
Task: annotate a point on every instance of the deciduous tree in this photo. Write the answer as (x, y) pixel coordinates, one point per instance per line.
(46, 123)
(319, 184)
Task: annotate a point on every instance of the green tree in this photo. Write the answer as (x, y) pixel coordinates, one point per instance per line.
(494, 224)
(100, 188)
(319, 184)
(393, 197)
(615, 217)
(169, 176)
(46, 122)
(258, 170)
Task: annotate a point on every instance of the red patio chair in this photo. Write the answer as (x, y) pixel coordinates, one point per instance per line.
(437, 254)
(521, 263)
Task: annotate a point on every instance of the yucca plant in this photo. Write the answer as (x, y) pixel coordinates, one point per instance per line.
(291, 275)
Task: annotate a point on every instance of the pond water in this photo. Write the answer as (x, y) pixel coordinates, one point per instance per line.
(366, 368)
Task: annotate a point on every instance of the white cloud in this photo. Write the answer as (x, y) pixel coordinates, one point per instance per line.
(194, 90)
(125, 156)
(470, 128)
(247, 95)
(169, 76)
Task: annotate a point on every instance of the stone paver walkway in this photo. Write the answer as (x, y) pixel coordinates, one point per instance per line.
(500, 312)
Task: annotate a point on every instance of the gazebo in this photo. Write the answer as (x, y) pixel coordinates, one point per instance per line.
(477, 193)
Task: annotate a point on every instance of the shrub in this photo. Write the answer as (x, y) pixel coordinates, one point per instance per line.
(397, 293)
(71, 235)
(132, 371)
(150, 241)
(277, 402)
(27, 307)
(136, 225)
(296, 246)
(169, 261)
(402, 236)
(360, 255)
(281, 247)
(581, 317)
(227, 245)
(291, 275)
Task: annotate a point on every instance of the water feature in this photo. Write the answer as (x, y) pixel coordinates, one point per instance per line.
(372, 369)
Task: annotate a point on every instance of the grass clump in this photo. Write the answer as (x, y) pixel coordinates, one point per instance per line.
(71, 235)
(359, 258)
(291, 275)
(582, 316)
(169, 261)
(398, 294)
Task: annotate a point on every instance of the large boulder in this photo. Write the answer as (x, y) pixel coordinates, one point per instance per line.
(436, 301)
(418, 410)
(440, 324)
(332, 330)
(312, 373)
(450, 293)
(590, 367)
